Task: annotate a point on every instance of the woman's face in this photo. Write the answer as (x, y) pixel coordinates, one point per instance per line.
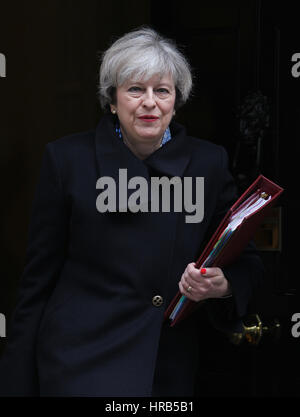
(145, 109)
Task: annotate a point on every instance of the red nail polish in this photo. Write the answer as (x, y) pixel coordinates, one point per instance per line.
(203, 271)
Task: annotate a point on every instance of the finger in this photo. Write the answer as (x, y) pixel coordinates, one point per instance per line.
(210, 272)
(196, 287)
(191, 272)
(187, 294)
(194, 279)
(186, 283)
(190, 267)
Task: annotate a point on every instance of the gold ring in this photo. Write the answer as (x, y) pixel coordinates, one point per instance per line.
(189, 288)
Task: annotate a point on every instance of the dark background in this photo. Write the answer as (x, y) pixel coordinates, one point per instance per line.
(52, 50)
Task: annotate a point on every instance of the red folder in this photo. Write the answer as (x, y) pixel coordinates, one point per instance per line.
(237, 241)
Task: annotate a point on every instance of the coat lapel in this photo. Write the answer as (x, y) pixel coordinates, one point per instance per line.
(172, 158)
(112, 155)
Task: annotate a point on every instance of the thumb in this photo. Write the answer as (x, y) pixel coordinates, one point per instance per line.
(209, 272)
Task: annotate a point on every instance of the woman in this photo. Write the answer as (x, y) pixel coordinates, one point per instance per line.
(103, 262)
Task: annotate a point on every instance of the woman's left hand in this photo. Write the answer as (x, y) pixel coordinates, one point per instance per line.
(198, 285)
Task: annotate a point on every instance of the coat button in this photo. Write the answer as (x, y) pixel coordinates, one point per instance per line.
(157, 300)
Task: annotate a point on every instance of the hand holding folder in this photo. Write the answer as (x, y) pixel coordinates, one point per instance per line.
(232, 235)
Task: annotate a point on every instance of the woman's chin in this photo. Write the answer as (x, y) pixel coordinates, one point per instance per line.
(149, 136)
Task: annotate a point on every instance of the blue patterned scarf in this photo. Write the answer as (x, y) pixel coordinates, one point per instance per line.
(167, 135)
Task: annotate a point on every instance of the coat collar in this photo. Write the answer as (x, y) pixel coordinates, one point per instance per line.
(112, 154)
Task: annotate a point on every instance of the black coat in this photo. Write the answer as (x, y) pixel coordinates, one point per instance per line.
(85, 323)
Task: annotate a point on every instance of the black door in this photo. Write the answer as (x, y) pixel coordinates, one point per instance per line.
(246, 98)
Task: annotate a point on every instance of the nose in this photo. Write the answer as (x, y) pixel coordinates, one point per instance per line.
(149, 98)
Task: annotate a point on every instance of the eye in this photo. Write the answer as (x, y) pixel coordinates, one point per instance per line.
(162, 90)
(134, 89)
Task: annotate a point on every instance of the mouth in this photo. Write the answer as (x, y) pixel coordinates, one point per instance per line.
(148, 118)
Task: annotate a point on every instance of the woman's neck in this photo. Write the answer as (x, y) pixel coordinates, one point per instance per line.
(142, 151)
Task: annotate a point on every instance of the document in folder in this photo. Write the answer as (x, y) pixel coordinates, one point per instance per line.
(232, 235)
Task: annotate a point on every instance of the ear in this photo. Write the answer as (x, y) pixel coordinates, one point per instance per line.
(113, 110)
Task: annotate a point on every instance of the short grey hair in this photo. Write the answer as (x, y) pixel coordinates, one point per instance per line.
(140, 54)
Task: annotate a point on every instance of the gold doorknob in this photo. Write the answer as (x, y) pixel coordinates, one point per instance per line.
(254, 330)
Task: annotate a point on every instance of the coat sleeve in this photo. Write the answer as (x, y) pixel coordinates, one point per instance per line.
(244, 275)
(47, 240)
